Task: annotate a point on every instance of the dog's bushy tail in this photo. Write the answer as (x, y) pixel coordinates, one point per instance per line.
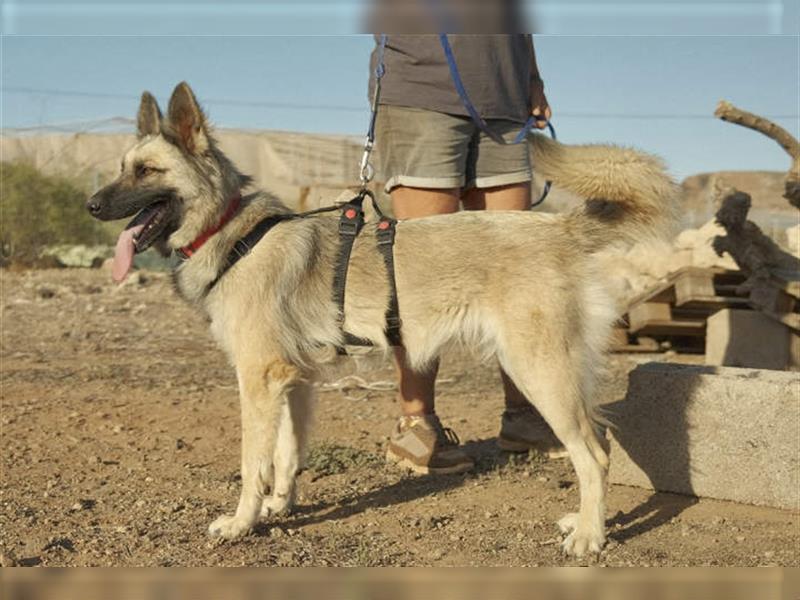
(629, 196)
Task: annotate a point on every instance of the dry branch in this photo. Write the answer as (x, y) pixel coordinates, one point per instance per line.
(728, 112)
(755, 253)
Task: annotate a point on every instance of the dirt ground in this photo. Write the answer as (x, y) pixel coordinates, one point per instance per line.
(120, 443)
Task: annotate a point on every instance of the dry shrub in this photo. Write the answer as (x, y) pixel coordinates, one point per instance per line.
(41, 210)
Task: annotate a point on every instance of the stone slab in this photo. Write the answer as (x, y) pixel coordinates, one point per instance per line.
(717, 432)
(747, 338)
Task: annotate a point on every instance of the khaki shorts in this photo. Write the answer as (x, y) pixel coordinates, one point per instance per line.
(427, 149)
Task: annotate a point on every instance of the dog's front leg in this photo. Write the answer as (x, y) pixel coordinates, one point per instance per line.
(264, 393)
(289, 450)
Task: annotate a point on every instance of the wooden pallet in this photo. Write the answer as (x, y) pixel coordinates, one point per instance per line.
(681, 304)
(779, 298)
(675, 311)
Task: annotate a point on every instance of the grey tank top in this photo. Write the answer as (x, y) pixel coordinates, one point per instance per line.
(496, 71)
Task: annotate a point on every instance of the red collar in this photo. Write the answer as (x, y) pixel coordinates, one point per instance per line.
(187, 251)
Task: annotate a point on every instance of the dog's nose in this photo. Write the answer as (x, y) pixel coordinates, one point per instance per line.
(93, 206)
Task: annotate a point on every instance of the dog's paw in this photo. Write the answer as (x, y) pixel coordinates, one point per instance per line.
(229, 527)
(579, 543)
(580, 540)
(568, 523)
(278, 505)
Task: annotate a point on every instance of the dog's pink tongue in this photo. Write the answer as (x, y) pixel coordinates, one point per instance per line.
(123, 254)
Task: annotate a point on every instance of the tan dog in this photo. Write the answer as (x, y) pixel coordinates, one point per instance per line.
(521, 286)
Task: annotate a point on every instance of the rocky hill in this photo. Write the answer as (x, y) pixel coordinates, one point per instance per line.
(770, 209)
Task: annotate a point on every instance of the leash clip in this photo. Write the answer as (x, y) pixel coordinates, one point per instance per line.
(367, 171)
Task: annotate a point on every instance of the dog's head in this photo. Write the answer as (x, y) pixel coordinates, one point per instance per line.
(174, 180)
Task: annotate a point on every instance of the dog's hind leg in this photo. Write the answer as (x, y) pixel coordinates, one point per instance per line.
(289, 450)
(551, 383)
(264, 394)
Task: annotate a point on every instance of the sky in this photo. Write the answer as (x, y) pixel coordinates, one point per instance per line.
(654, 92)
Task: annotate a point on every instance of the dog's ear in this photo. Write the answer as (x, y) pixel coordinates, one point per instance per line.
(148, 121)
(187, 121)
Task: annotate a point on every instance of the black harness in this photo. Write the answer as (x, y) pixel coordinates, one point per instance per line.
(351, 222)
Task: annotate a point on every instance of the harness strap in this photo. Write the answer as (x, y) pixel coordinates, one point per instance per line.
(385, 236)
(244, 245)
(351, 222)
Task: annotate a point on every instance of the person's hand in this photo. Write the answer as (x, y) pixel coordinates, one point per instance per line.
(540, 108)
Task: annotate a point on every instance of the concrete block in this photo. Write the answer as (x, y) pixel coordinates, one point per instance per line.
(717, 432)
(747, 338)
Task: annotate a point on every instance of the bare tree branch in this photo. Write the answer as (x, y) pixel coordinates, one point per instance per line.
(728, 112)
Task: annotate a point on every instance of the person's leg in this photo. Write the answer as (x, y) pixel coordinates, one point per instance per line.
(416, 390)
(516, 196)
(420, 441)
(421, 156)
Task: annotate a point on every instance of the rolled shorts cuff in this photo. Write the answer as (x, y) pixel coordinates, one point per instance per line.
(499, 180)
(437, 183)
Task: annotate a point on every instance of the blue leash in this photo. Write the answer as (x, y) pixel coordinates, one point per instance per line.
(380, 71)
(473, 112)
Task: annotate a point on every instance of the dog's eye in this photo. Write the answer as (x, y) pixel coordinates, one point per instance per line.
(144, 170)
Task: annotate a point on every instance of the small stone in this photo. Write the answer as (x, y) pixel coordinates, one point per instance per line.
(6, 560)
(117, 428)
(740, 538)
(285, 558)
(436, 554)
(276, 532)
(83, 504)
(769, 554)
